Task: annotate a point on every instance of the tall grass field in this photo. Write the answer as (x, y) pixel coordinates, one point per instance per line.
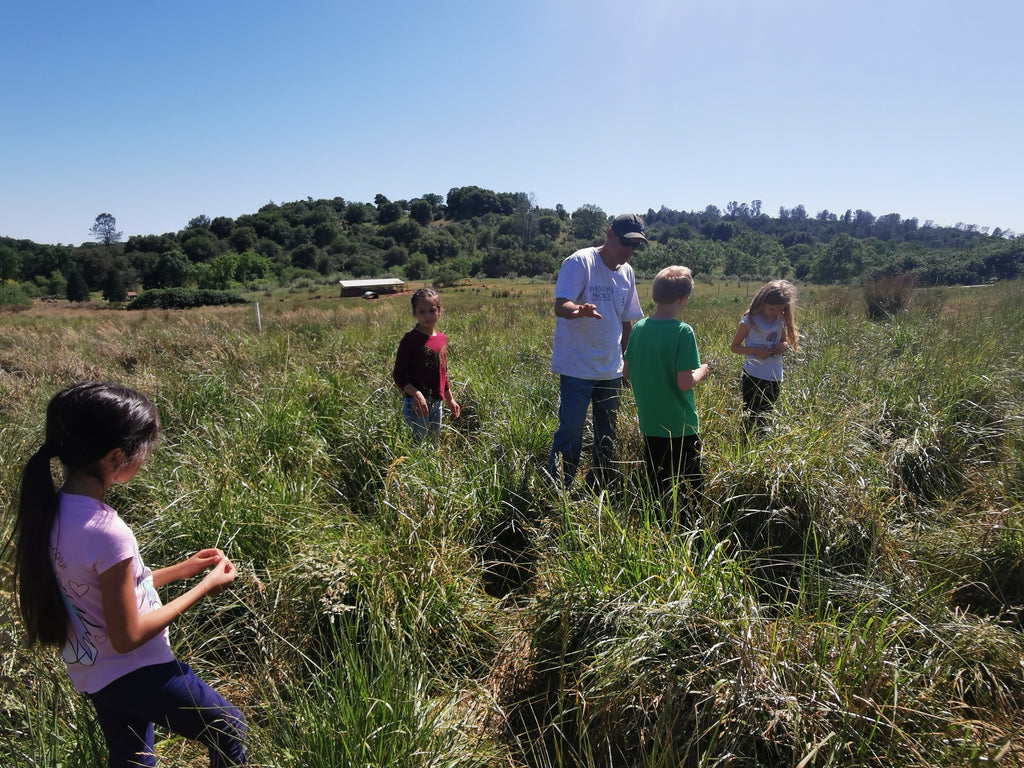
(848, 593)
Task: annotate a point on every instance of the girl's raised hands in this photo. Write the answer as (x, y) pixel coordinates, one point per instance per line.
(201, 560)
(221, 576)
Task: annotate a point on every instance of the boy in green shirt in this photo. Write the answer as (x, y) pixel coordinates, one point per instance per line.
(662, 365)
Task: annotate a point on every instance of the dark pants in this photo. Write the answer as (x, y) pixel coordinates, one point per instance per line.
(759, 396)
(172, 695)
(675, 462)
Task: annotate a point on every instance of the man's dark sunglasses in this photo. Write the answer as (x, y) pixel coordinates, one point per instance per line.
(631, 242)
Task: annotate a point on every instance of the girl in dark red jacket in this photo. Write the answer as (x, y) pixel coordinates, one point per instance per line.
(421, 368)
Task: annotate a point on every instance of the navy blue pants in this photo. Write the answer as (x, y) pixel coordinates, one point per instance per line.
(172, 695)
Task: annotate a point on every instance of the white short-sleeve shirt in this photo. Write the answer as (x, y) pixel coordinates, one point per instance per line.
(586, 347)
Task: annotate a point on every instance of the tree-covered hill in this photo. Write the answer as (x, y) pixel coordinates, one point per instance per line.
(476, 232)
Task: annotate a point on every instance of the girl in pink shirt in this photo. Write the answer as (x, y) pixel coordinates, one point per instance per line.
(82, 585)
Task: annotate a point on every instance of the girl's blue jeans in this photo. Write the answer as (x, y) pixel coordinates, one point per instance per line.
(172, 695)
(422, 426)
(575, 396)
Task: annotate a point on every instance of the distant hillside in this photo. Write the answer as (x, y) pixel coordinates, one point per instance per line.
(479, 232)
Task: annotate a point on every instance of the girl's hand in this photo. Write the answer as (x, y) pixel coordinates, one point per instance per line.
(419, 405)
(200, 561)
(220, 577)
(454, 408)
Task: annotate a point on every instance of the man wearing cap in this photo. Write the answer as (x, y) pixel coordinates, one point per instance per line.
(595, 306)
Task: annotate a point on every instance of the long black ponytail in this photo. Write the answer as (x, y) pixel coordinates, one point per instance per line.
(83, 424)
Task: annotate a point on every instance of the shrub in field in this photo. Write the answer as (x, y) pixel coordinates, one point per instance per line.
(887, 295)
(183, 298)
(13, 296)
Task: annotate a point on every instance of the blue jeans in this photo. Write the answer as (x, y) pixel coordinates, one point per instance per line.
(172, 695)
(574, 397)
(422, 426)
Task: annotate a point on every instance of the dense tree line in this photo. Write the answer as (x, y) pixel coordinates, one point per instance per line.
(475, 232)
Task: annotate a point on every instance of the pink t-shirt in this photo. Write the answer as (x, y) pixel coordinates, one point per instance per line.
(88, 538)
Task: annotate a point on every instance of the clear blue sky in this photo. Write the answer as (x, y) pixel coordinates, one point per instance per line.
(158, 112)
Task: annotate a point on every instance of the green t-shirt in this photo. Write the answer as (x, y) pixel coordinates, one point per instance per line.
(657, 351)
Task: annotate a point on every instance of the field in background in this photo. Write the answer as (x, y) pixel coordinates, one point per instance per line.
(850, 593)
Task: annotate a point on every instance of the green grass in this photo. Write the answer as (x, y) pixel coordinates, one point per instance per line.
(850, 592)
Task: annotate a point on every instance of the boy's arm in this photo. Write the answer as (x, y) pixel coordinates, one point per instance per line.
(687, 379)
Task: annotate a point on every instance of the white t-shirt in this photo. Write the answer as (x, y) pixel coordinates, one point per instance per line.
(585, 347)
(762, 334)
(88, 538)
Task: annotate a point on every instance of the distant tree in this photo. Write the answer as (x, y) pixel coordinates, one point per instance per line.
(95, 262)
(472, 201)
(720, 232)
(363, 264)
(421, 212)
(436, 203)
(115, 289)
(202, 221)
(550, 226)
(54, 284)
(525, 214)
(198, 244)
(837, 260)
(416, 267)
(217, 274)
(251, 266)
(735, 210)
(395, 256)
(104, 229)
(405, 232)
(863, 222)
(737, 261)
(77, 289)
(445, 274)
(324, 234)
(10, 264)
(150, 244)
(588, 222)
(222, 226)
(388, 213)
(438, 245)
(357, 213)
(172, 269)
(305, 256)
(243, 238)
(14, 294)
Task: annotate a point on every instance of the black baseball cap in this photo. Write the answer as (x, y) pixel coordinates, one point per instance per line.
(629, 225)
